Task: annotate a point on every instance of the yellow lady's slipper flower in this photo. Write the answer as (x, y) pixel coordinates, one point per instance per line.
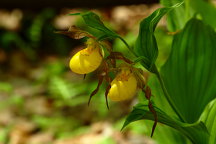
(88, 59)
(123, 87)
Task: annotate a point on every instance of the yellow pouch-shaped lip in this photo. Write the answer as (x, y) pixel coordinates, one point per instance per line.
(123, 87)
(86, 60)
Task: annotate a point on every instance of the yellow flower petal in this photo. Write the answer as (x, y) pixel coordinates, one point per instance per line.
(123, 87)
(87, 60)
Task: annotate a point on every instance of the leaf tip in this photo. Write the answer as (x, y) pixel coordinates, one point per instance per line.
(124, 125)
(74, 14)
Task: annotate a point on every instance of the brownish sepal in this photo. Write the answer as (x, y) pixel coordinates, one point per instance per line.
(96, 90)
(120, 56)
(75, 33)
(148, 95)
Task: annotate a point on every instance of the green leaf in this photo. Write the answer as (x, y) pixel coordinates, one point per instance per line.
(189, 73)
(146, 44)
(209, 118)
(175, 19)
(93, 20)
(196, 132)
(206, 9)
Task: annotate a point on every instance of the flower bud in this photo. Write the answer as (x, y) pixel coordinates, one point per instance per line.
(123, 87)
(88, 59)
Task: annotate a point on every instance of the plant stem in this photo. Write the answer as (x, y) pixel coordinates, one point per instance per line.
(130, 49)
(170, 101)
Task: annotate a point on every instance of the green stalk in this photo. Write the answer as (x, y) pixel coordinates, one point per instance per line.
(129, 48)
(166, 94)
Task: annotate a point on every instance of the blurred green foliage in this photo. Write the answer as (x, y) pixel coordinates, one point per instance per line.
(36, 36)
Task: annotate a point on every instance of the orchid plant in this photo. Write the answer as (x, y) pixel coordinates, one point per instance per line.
(187, 78)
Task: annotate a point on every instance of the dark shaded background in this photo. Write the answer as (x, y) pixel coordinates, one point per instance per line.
(39, 4)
